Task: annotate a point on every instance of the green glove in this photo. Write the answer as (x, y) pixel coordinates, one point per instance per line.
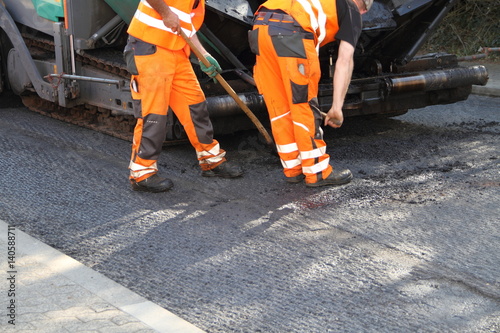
(213, 70)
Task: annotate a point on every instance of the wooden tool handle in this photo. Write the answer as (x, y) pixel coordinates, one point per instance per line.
(229, 90)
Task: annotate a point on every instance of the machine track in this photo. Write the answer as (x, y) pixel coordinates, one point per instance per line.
(97, 119)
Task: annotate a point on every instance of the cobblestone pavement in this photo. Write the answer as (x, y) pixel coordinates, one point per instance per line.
(46, 291)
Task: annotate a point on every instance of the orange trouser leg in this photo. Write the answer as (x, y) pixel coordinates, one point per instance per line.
(158, 87)
(189, 105)
(289, 85)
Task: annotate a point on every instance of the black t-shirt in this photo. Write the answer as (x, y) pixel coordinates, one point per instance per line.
(350, 22)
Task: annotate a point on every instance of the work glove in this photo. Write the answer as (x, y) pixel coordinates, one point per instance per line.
(213, 70)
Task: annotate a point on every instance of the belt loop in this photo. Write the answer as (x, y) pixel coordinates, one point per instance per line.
(267, 16)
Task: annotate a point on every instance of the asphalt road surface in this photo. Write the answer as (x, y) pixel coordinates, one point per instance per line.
(412, 244)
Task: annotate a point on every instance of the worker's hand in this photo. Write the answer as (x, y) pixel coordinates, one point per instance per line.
(171, 20)
(334, 118)
(213, 70)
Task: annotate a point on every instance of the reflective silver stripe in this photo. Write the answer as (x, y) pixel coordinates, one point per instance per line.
(183, 16)
(321, 21)
(288, 148)
(318, 152)
(138, 174)
(316, 22)
(214, 151)
(216, 155)
(308, 8)
(318, 167)
(321, 132)
(291, 163)
(158, 24)
(301, 125)
(212, 160)
(281, 116)
(137, 170)
(137, 167)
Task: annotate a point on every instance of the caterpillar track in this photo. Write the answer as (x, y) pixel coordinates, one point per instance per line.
(89, 116)
(97, 119)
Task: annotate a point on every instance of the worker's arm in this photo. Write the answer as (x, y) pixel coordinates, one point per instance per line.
(198, 45)
(170, 19)
(341, 80)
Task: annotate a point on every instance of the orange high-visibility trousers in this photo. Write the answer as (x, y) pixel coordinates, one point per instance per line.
(287, 73)
(166, 80)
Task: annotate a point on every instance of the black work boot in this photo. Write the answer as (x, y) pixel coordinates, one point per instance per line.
(335, 178)
(295, 180)
(153, 184)
(224, 170)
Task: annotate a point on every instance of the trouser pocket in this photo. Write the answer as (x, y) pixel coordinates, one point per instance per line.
(136, 47)
(289, 43)
(253, 40)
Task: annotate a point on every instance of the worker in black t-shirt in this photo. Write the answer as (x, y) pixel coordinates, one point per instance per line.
(286, 38)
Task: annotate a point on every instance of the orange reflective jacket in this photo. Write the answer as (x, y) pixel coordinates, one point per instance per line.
(148, 26)
(319, 17)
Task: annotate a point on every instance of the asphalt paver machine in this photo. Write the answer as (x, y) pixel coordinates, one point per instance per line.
(64, 58)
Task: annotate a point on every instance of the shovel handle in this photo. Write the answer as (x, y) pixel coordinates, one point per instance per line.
(229, 90)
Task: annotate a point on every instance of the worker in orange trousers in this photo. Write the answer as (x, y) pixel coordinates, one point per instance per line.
(286, 38)
(163, 80)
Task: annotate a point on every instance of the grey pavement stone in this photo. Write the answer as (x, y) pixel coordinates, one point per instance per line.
(93, 325)
(129, 327)
(42, 330)
(123, 320)
(20, 327)
(101, 307)
(39, 307)
(57, 322)
(30, 317)
(69, 300)
(92, 315)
